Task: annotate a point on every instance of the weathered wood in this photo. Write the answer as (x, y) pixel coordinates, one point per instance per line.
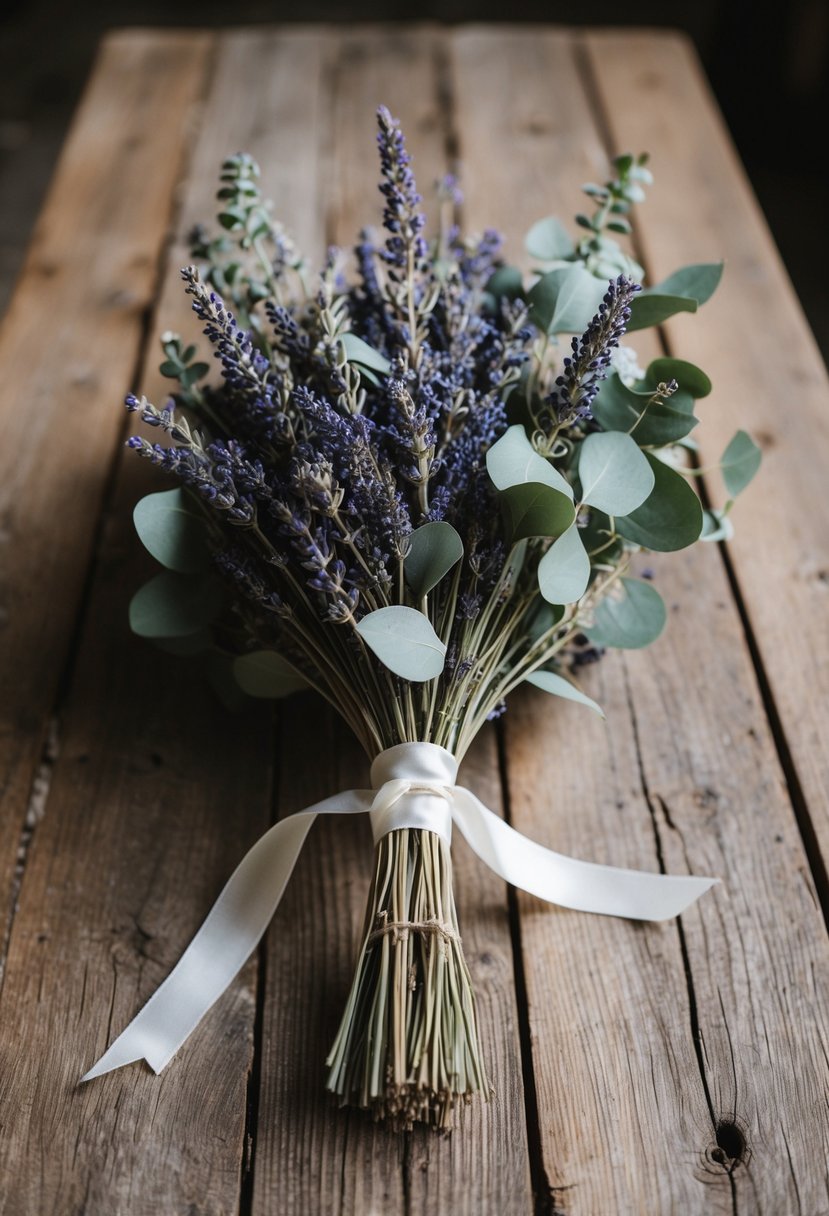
(649, 1044)
(68, 345)
(157, 791)
(309, 1156)
(769, 377)
(681, 775)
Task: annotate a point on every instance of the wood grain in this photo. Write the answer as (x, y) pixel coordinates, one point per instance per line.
(769, 377)
(156, 793)
(682, 775)
(336, 1160)
(68, 345)
(672, 1068)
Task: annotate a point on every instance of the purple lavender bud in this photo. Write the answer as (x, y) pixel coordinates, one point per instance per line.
(577, 386)
(401, 216)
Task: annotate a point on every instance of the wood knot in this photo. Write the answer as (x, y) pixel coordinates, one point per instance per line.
(730, 1146)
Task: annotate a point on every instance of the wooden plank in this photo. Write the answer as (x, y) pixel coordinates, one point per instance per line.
(637, 1064)
(68, 346)
(770, 378)
(156, 793)
(310, 1157)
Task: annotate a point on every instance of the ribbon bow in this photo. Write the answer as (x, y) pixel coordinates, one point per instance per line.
(414, 787)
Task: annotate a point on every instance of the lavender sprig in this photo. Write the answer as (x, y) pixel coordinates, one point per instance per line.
(406, 246)
(588, 365)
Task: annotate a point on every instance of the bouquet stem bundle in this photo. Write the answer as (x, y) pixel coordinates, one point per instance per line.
(407, 1046)
(404, 496)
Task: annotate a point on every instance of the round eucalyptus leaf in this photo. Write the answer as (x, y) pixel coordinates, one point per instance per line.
(566, 300)
(434, 550)
(172, 606)
(264, 673)
(670, 518)
(404, 641)
(171, 531)
(506, 281)
(558, 686)
(618, 408)
(358, 351)
(548, 240)
(512, 460)
(564, 570)
(691, 379)
(631, 617)
(536, 509)
(614, 474)
(740, 461)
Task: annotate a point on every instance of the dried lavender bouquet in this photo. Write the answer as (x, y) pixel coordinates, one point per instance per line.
(401, 495)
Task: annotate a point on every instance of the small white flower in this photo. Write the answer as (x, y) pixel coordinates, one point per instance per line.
(626, 364)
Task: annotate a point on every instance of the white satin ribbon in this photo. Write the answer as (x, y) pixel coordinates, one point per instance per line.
(414, 787)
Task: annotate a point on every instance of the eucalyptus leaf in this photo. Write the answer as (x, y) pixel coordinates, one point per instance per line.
(506, 281)
(172, 606)
(566, 300)
(512, 460)
(615, 475)
(691, 379)
(697, 282)
(536, 509)
(548, 240)
(172, 532)
(564, 570)
(682, 291)
(358, 351)
(598, 533)
(542, 617)
(518, 409)
(740, 461)
(647, 309)
(558, 686)
(264, 673)
(404, 641)
(196, 371)
(434, 550)
(670, 518)
(629, 619)
(618, 408)
(219, 668)
(716, 525)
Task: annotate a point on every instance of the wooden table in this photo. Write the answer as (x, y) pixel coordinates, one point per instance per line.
(677, 1068)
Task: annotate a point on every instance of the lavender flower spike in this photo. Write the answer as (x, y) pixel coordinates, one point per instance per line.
(584, 370)
(402, 218)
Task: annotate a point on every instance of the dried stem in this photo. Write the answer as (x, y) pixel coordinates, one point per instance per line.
(407, 1047)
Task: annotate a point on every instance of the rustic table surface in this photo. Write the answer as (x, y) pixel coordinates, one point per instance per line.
(675, 1068)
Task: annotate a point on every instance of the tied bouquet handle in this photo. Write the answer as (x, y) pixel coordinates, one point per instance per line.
(403, 494)
(415, 791)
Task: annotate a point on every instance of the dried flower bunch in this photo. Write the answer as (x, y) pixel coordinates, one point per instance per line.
(400, 494)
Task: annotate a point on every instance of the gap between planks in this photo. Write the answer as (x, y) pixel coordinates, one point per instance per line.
(800, 809)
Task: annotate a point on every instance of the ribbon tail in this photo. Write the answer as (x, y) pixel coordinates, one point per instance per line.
(233, 927)
(580, 885)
